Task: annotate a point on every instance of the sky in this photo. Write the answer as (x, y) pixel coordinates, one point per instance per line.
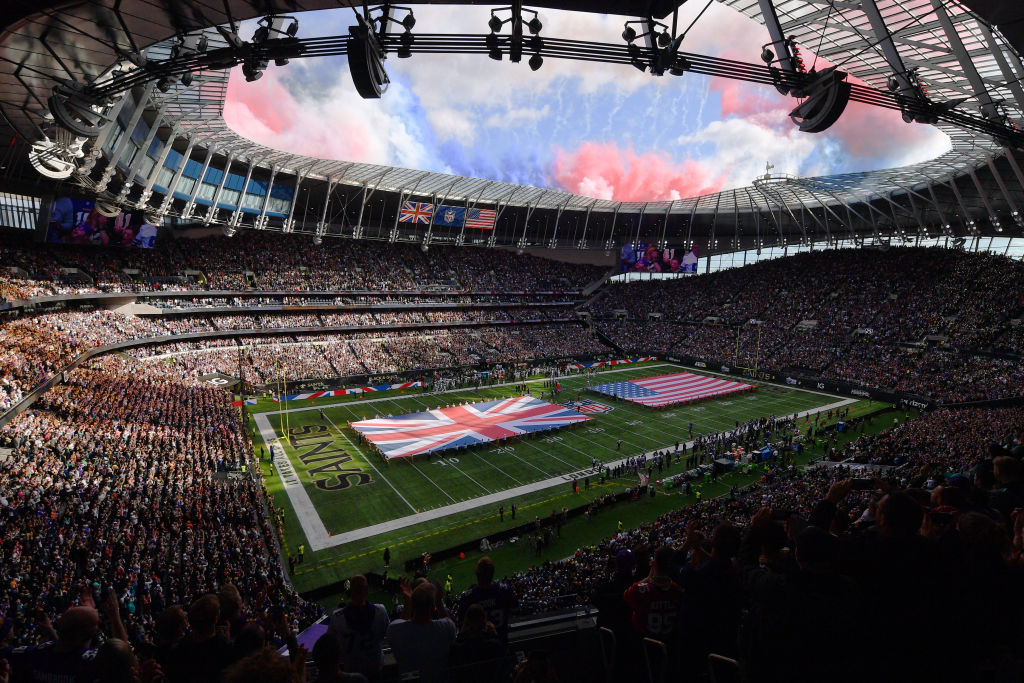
(600, 130)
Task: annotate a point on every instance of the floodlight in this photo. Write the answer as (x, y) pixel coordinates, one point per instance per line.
(495, 23)
(493, 51)
(535, 25)
(536, 62)
(664, 39)
(405, 45)
(318, 240)
(251, 73)
(409, 22)
(186, 79)
(164, 84)
(635, 55)
(629, 34)
(767, 56)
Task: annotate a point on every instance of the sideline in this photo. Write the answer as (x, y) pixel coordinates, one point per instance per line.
(319, 539)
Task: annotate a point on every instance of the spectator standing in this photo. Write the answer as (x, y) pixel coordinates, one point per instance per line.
(422, 643)
(203, 654)
(656, 600)
(496, 599)
(359, 629)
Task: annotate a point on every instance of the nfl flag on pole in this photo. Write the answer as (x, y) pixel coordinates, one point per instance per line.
(482, 219)
(449, 216)
(415, 212)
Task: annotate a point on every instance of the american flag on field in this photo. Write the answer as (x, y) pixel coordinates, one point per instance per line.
(482, 219)
(404, 436)
(666, 390)
(416, 212)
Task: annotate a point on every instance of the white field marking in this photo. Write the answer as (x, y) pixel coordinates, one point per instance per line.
(436, 485)
(318, 541)
(305, 511)
(512, 452)
(369, 462)
(488, 462)
(459, 469)
(413, 465)
(494, 498)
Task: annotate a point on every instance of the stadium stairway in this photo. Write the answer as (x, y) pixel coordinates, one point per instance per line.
(608, 341)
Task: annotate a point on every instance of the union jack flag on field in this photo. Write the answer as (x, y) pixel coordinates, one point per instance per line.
(404, 436)
(416, 212)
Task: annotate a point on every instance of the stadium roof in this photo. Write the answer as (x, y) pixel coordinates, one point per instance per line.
(953, 51)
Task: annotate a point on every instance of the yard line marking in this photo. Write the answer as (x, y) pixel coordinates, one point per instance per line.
(485, 460)
(470, 478)
(368, 462)
(431, 480)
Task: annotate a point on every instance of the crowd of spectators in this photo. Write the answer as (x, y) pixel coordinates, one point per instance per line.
(918, 330)
(113, 481)
(278, 262)
(815, 560)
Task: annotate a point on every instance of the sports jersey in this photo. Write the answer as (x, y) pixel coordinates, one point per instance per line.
(497, 599)
(42, 664)
(360, 633)
(655, 606)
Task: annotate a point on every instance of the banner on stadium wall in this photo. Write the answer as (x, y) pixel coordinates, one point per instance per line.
(608, 363)
(353, 390)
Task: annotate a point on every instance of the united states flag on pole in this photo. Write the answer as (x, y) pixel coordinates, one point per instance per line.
(666, 390)
(482, 219)
(416, 212)
(404, 436)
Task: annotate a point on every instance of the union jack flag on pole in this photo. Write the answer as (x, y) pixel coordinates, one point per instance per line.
(405, 436)
(416, 212)
(666, 390)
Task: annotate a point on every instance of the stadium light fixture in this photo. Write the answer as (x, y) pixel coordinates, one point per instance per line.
(493, 50)
(536, 62)
(629, 34)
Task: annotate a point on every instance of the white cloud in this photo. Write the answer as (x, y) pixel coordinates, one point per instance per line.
(516, 117)
(742, 146)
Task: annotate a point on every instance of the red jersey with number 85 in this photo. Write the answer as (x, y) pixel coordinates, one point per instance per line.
(655, 607)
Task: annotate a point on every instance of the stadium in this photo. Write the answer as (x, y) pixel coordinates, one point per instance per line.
(608, 341)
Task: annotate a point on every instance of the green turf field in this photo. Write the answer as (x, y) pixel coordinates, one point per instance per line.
(350, 488)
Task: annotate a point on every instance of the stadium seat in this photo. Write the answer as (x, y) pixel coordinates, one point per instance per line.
(656, 659)
(607, 639)
(723, 669)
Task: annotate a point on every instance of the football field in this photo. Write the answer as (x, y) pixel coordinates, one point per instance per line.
(344, 503)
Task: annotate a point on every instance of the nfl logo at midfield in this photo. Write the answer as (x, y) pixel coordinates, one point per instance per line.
(588, 406)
